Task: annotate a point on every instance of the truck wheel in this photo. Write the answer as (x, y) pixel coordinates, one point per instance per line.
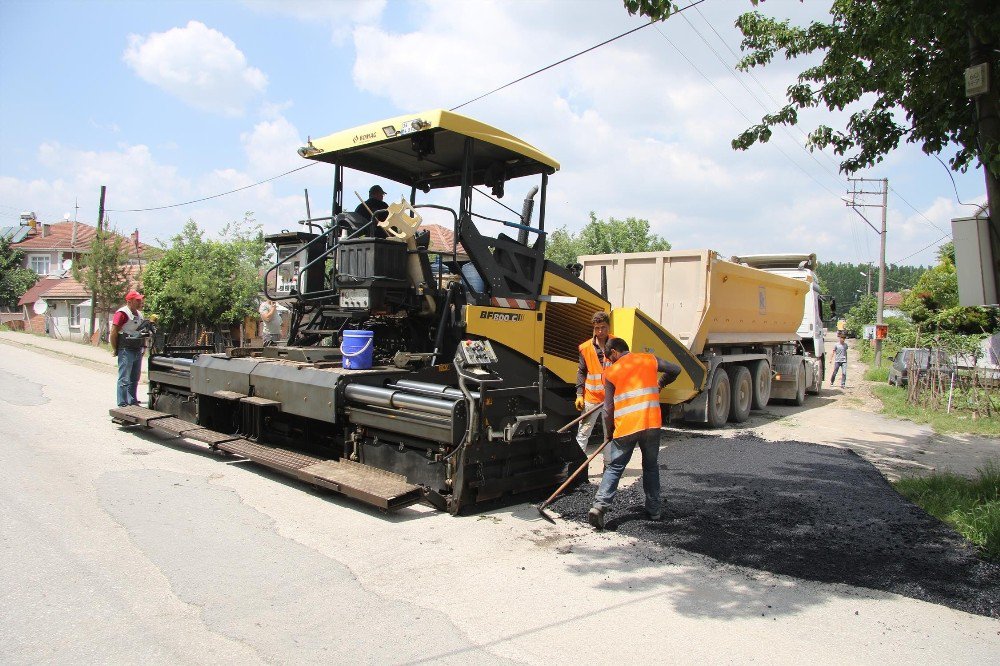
(800, 387)
(741, 386)
(760, 373)
(719, 397)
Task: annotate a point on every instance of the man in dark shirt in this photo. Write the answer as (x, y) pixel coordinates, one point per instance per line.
(632, 411)
(373, 204)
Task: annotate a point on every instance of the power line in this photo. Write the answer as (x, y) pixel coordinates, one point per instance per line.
(740, 111)
(214, 196)
(900, 261)
(575, 55)
(913, 208)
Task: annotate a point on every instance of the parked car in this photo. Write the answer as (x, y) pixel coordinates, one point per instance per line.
(919, 359)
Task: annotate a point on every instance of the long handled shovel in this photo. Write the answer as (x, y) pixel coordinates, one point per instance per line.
(541, 507)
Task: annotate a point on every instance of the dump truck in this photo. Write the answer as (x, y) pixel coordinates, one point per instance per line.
(741, 322)
(398, 384)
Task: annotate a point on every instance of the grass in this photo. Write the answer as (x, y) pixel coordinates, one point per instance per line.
(895, 404)
(971, 506)
(877, 374)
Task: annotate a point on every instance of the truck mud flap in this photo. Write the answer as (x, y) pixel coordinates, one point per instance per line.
(370, 485)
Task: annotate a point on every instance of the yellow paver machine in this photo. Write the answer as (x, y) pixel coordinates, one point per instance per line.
(408, 377)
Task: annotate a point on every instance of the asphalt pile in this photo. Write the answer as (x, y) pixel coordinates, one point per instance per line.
(803, 510)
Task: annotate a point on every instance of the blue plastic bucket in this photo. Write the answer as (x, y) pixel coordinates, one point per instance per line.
(356, 348)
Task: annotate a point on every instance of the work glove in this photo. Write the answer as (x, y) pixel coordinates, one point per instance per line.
(579, 403)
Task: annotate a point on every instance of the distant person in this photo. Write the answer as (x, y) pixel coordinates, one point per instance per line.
(270, 320)
(128, 343)
(839, 358)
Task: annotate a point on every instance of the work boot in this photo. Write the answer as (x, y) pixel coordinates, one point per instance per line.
(654, 515)
(596, 517)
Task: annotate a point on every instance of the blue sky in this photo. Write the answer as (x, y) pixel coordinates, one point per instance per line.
(166, 102)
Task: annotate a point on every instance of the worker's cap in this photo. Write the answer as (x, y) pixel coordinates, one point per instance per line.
(375, 190)
(134, 296)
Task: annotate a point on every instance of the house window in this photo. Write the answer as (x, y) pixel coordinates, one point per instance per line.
(39, 263)
(74, 316)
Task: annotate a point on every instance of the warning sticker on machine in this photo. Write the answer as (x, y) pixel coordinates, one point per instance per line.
(500, 316)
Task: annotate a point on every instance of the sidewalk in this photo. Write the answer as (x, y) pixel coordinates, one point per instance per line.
(74, 350)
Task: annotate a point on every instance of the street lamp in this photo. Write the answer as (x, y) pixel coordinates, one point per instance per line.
(867, 275)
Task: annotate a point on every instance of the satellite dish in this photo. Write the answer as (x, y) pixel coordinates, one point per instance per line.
(40, 307)
(67, 264)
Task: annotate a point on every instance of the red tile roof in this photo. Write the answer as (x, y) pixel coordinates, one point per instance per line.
(893, 299)
(35, 292)
(66, 288)
(442, 240)
(60, 237)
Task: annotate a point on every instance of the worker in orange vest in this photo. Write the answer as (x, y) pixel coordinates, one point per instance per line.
(632, 388)
(590, 376)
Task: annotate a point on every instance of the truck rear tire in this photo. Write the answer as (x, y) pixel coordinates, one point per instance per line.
(760, 373)
(719, 397)
(741, 392)
(800, 387)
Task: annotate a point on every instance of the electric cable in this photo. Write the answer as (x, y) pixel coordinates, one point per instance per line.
(214, 196)
(575, 55)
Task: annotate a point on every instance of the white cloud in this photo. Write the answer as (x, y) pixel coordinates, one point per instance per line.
(271, 147)
(341, 16)
(199, 66)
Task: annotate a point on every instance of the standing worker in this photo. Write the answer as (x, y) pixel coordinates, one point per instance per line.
(128, 343)
(632, 403)
(270, 319)
(839, 359)
(590, 377)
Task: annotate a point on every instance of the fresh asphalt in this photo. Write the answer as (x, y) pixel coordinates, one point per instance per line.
(805, 510)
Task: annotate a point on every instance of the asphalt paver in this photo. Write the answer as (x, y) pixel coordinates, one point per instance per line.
(804, 510)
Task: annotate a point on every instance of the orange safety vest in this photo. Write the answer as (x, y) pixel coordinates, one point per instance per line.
(593, 385)
(637, 393)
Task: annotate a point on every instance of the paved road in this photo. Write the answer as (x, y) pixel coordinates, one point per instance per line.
(124, 547)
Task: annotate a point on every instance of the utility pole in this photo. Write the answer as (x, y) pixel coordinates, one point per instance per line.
(884, 205)
(93, 294)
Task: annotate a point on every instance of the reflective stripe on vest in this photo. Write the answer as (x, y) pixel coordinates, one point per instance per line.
(636, 399)
(593, 386)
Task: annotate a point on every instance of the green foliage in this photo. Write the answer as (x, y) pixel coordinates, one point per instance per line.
(843, 281)
(878, 58)
(861, 315)
(206, 282)
(14, 279)
(932, 304)
(600, 237)
(971, 506)
(104, 271)
(895, 403)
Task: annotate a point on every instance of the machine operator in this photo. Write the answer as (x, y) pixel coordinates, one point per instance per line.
(632, 408)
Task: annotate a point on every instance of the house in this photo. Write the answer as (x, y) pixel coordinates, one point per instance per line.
(893, 299)
(47, 246)
(61, 307)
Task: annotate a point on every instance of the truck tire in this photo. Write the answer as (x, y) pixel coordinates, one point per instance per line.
(719, 397)
(760, 375)
(741, 390)
(800, 386)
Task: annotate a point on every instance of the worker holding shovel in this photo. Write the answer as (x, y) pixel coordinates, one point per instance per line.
(632, 407)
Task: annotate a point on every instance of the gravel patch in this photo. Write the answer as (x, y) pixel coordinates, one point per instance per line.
(804, 510)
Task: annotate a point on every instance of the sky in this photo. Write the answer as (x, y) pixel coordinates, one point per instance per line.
(171, 102)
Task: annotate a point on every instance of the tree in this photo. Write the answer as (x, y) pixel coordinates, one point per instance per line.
(104, 271)
(932, 304)
(206, 282)
(600, 237)
(900, 63)
(14, 279)
(845, 282)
